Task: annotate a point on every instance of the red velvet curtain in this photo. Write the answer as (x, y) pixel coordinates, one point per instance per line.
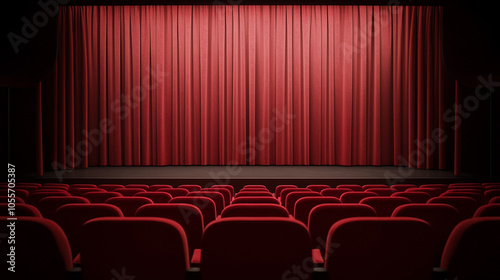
(249, 85)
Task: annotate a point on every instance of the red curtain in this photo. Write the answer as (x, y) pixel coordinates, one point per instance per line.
(249, 85)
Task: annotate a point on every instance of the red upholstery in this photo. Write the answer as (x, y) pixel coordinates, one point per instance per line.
(110, 187)
(56, 185)
(441, 187)
(380, 249)
(254, 187)
(385, 205)
(49, 205)
(465, 205)
(154, 188)
(442, 217)
(254, 210)
(129, 204)
(20, 210)
(280, 188)
(286, 192)
(322, 217)
(374, 186)
(19, 193)
(292, 198)
(381, 191)
(431, 191)
(82, 191)
(71, 218)
(34, 198)
(137, 186)
(226, 193)
(188, 216)
(76, 186)
(228, 187)
(217, 197)
(305, 204)
(42, 250)
(156, 197)
(28, 188)
(190, 188)
(334, 192)
(478, 197)
(355, 196)
(402, 187)
(174, 192)
(132, 249)
(489, 194)
(255, 248)
(205, 204)
(356, 188)
(18, 200)
(495, 199)
(129, 191)
(100, 197)
(255, 199)
(488, 210)
(473, 250)
(253, 193)
(317, 188)
(415, 197)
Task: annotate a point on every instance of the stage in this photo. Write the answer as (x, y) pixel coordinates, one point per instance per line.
(238, 176)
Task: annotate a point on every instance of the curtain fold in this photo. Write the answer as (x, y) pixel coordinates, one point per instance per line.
(249, 85)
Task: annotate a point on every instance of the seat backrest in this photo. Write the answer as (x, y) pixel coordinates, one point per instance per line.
(292, 198)
(255, 248)
(205, 204)
(225, 193)
(154, 188)
(217, 197)
(254, 187)
(356, 188)
(19, 193)
(7, 199)
(374, 186)
(129, 204)
(254, 210)
(156, 197)
(488, 210)
(190, 188)
(381, 191)
(318, 188)
(489, 194)
(110, 187)
(228, 187)
(188, 216)
(175, 192)
(465, 205)
(380, 249)
(113, 247)
(129, 191)
(137, 186)
(473, 250)
(49, 205)
(478, 197)
(334, 192)
(101, 197)
(384, 205)
(71, 218)
(253, 193)
(305, 204)
(76, 186)
(42, 251)
(442, 217)
(431, 191)
(82, 191)
(255, 199)
(355, 196)
(495, 199)
(402, 187)
(280, 188)
(20, 210)
(441, 187)
(323, 216)
(286, 192)
(34, 198)
(415, 197)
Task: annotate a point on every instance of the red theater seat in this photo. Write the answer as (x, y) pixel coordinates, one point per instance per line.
(305, 204)
(355, 197)
(473, 250)
(156, 197)
(175, 192)
(71, 218)
(61, 185)
(34, 198)
(433, 192)
(28, 188)
(402, 187)
(129, 204)
(415, 197)
(228, 187)
(190, 188)
(495, 199)
(488, 210)
(441, 187)
(322, 217)
(110, 187)
(226, 193)
(113, 247)
(154, 188)
(188, 216)
(489, 194)
(101, 197)
(20, 210)
(374, 186)
(129, 191)
(49, 205)
(356, 188)
(334, 192)
(254, 210)
(317, 188)
(217, 197)
(286, 192)
(137, 186)
(76, 186)
(205, 204)
(385, 205)
(254, 187)
(292, 198)
(465, 205)
(381, 191)
(255, 248)
(82, 191)
(478, 197)
(280, 188)
(255, 199)
(23, 194)
(42, 250)
(18, 200)
(253, 193)
(380, 249)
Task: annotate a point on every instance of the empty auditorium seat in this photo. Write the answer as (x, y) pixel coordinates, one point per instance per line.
(113, 247)
(433, 192)
(453, 185)
(285, 192)
(495, 199)
(225, 193)
(254, 187)
(156, 197)
(129, 204)
(486, 185)
(492, 187)
(205, 204)
(190, 188)
(46, 188)
(334, 192)
(217, 197)
(381, 191)
(317, 188)
(374, 186)
(305, 204)
(441, 187)
(473, 250)
(188, 216)
(415, 197)
(355, 196)
(110, 187)
(356, 188)
(380, 249)
(460, 187)
(489, 194)
(322, 217)
(280, 188)
(129, 191)
(24, 184)
(254, 210)
(488, 210)
(59, 185)
(154, 188)
(28, 188)
(82, 191)
(41, 252)
(174, 192)
(255, 248)
(478, 197)
(20, 210)
(7, 199)
(402, 187)
(255, 199)
(292, 198)
(75, 186)
(49, 205)
(18, 192)
(228, 187)
(253, 193)
(442, 218)
(34, 198)
(465, 205)
(137, 186)
(71, 218)
(101, 197)
(385, 205)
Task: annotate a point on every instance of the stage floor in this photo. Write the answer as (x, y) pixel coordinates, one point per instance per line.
(239, 176)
